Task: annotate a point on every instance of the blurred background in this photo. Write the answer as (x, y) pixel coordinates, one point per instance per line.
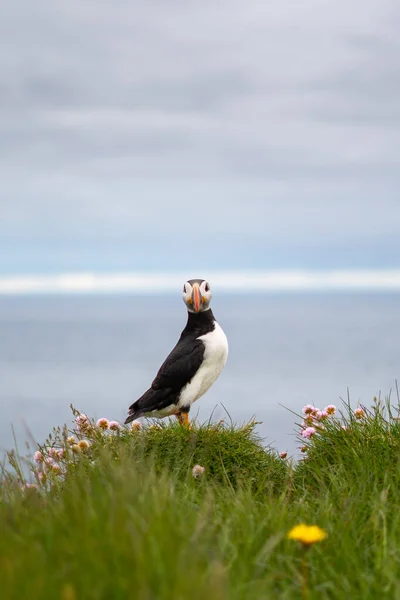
(146, 143)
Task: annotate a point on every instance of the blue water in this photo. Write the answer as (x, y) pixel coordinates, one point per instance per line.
(101, 353)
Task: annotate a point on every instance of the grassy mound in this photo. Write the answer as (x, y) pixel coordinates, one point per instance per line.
(354, 449)
(231, 456)
(119, 514)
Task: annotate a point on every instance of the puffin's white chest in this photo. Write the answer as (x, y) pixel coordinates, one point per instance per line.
(214, 359)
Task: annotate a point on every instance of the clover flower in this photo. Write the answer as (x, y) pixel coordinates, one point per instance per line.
(307, 534)
(308, 432)
(308, 409)
(198, 471)
(330, 409)
(359, 413)
(114, 426)
(102, 423)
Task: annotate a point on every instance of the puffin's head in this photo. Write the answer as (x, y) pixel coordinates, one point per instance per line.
(197, 295)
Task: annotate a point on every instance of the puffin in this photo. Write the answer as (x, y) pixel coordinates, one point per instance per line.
(192, 366)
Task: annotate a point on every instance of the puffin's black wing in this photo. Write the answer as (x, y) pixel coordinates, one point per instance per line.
(176, 371)
(180, 365)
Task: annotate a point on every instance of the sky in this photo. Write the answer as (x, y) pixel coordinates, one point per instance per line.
(171, 136)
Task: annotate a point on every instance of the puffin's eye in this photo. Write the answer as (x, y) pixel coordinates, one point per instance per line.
(207, 288)
(184, 288)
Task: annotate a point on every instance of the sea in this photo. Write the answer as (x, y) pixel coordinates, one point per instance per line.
(101, 352)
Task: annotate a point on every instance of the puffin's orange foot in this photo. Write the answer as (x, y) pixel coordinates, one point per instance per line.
(183, 418)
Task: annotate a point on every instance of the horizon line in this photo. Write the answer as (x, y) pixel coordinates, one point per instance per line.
(272, 280)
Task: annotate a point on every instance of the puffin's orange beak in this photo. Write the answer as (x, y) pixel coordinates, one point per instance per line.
(196, 297)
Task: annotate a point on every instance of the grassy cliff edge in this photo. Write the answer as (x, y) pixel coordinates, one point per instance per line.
(164, 512)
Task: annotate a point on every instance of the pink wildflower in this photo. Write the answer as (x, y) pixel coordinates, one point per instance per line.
(136, 426)
(102, 423)
(41, 476)
(38, 457)
(48, 464)
(315, 412)
(114, 426)
(282, 455)
(330, 409)
(60, 452)
(82, 422)
(83, 445)
(52, 453)
(359, 413)
(308, 409)
(308, 432)
(56, 469)
(198, 471)
(321, 415)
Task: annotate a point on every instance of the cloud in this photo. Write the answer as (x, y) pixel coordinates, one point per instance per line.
(233, 282)
(277, 123)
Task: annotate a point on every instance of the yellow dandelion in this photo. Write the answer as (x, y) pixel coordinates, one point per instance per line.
(307, 534)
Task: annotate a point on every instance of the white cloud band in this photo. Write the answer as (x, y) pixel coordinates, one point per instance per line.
(240, 281)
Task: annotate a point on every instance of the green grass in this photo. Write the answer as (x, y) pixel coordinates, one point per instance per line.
(127, 519)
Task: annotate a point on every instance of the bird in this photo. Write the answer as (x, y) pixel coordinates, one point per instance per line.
(192, 366)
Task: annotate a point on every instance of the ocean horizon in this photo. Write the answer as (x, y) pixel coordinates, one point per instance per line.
(101, 352)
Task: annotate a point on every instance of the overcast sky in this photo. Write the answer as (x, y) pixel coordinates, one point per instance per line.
(182, 134)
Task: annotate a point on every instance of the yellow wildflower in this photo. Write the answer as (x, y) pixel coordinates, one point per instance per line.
(307, 534)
